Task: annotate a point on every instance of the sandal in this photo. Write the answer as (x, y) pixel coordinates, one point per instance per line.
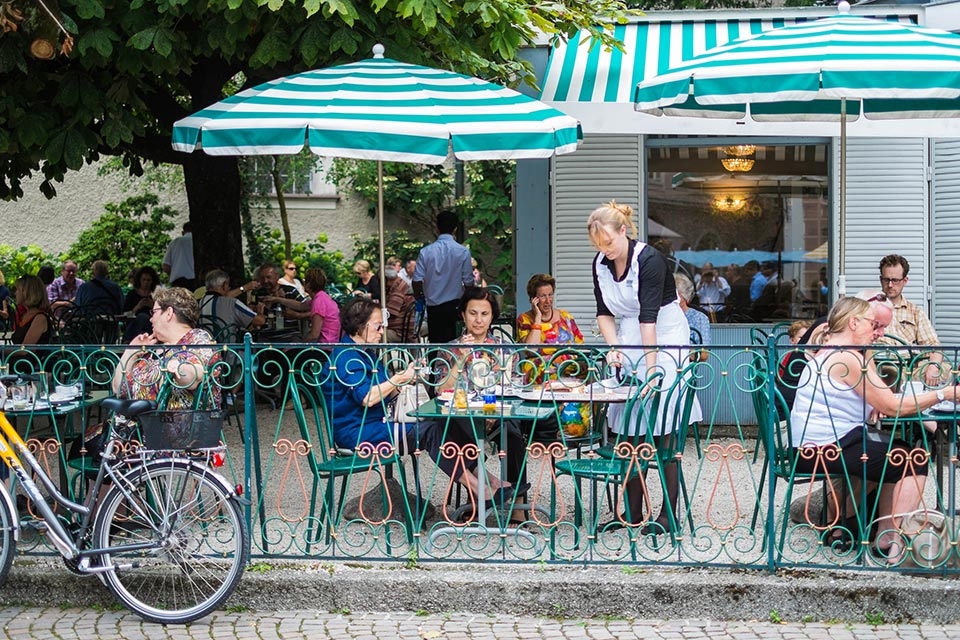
(844, 535)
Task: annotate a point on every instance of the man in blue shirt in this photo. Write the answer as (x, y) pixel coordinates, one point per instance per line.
(100, 295)
(443, 271)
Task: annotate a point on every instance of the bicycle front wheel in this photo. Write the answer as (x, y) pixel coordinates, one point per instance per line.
(175, 540)
(8, 538)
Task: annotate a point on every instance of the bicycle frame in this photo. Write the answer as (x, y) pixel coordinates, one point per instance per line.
(16, 455)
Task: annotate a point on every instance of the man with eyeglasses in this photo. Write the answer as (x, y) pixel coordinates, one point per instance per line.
(910, 322)
(63, 290)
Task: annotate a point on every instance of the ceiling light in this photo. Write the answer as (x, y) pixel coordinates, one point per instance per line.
(740, 150)
(737, 164)
(729, 204)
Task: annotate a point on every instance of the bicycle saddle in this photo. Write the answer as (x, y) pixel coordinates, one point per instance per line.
(128, 408)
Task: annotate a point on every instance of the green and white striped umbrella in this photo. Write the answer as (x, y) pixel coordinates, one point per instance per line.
(381, 109)
(384, 110)
(834, 68)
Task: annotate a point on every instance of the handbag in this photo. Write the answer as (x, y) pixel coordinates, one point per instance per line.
(409, 399)
(928, 537)
(181, 430)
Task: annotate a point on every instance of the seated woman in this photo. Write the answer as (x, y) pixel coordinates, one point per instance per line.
(546, 324)
(324, 312)
(478, 308)
(139, 301)
(358, 388)
(832, 410)
(141, 373)
(33, 325)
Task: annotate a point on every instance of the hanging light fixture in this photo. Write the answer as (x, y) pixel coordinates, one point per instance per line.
(738, 157)
(740, 150)
(735, 165)
(730, 204)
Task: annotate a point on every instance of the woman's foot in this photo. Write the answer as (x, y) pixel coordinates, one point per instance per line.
(889, 549)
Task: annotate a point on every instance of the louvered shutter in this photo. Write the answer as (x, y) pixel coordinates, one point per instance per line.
(606, 167)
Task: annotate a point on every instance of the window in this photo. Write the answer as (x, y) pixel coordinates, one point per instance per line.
(757, 214)
(302, 175)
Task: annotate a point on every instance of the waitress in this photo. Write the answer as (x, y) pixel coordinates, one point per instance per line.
(632, 283)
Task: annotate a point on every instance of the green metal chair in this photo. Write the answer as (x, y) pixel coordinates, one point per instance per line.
(328, 462)
(608, 470)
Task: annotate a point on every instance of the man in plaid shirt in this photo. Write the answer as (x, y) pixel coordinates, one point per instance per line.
(910, 322)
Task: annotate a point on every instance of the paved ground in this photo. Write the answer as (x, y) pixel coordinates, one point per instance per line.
(263, 625)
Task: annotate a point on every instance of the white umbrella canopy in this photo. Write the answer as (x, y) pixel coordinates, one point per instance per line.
(384, 110)
(832, 69)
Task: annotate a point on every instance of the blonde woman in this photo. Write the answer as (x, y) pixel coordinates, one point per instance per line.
(289, 278)
(367, 285)
(631, 282)
(840, 391)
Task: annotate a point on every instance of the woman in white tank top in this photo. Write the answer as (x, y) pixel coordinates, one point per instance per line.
(839, 391)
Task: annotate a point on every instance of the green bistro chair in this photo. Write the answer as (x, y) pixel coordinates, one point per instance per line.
(328, 463)
(680, 396)
(780, 458)
(607, 470)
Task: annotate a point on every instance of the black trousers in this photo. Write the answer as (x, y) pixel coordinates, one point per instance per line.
(442, 322)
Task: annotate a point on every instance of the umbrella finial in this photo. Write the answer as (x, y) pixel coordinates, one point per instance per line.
(378, 49)
(843, 6)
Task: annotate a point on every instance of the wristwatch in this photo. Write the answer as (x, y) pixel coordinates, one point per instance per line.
(940, 396)
(241, 288)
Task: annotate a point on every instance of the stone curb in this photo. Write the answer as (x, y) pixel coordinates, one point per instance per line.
(569, 592)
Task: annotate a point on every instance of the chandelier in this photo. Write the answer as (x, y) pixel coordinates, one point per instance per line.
(735, 165)
(738, 158)
(740, 150)
(729, 204)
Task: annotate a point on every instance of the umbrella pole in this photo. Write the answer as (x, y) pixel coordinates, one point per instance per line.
(841, 276)
(382, 275)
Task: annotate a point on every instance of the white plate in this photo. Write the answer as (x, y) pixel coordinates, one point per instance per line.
(945, 407)
(58, 398)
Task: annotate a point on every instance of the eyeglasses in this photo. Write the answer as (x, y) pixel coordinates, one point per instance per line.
(290, 268)
(376, 327)
(877, 326)
(891, 280)
(880, 297)
(155, 310)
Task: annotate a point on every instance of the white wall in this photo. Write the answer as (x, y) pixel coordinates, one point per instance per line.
(55, 224)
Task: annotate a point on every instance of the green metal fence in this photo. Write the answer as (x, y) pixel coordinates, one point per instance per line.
(588, 494)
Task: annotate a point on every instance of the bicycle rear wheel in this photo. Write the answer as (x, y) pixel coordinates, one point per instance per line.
(177, 542)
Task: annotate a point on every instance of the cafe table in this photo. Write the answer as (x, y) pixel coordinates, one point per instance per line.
(63, 416)
(532, 404)
(944, 445)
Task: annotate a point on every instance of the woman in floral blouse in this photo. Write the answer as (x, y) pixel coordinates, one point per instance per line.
(545, 324)
(142, 371)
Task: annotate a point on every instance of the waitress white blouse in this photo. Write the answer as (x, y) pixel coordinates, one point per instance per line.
(622, 299)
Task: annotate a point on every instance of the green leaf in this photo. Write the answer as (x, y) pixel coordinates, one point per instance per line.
(88, 9)
(97, 39)
(68, 92)
(163, 42)
(345, 40)
(74, 148)
(31, 131)
(143, 40)
(345, 8)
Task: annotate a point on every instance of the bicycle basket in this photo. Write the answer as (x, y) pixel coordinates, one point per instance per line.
(187, 430)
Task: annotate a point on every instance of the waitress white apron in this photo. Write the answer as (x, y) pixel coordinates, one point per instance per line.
(622, 299)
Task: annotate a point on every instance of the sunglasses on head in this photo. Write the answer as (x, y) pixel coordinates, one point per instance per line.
(880, 297)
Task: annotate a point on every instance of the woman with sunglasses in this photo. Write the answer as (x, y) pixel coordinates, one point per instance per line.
(840, 391)
(358, 389)
(289, 278)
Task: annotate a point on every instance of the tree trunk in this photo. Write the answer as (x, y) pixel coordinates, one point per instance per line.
(282, 203)
(213, 193)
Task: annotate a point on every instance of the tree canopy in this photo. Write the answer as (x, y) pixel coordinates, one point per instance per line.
(138, 66)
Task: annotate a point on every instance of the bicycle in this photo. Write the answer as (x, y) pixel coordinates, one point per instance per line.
(166, 536)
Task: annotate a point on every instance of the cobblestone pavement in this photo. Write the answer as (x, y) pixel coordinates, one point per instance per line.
(52, 622)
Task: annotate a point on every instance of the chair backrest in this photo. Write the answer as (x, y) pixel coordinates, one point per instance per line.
(77, 326)
(773, 432)
(221, 331)
(639, 410)
(675, 408)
